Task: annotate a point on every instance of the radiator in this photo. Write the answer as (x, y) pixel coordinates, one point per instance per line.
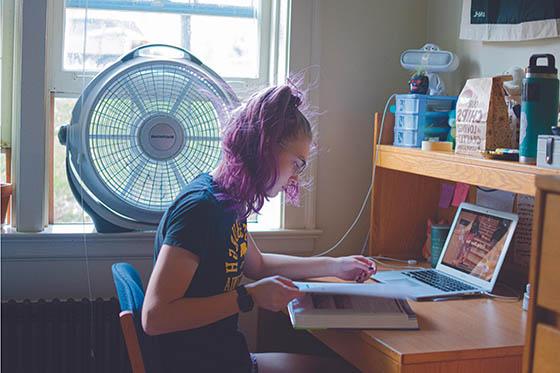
(59, 337)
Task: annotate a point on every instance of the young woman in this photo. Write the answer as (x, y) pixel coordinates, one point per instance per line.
(195, 294)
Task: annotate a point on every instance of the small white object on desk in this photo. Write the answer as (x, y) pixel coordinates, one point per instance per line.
(526, 296)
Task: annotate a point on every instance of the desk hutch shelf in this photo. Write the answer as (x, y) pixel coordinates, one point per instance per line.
(408, 183)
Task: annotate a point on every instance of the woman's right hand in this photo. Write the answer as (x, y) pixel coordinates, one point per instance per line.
(273, 293)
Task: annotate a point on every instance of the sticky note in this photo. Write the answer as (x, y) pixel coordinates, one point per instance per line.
(461, 192)
(446, 195)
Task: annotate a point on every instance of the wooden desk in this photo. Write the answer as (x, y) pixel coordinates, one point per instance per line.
(477, 335)
(474, 335)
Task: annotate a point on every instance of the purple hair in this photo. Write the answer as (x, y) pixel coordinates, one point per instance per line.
(251, 142)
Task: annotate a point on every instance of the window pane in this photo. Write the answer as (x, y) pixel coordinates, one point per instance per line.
(112, 33)
(244, 3)
(2, 167)
(66, 208)
(228, 45)
(270, 216)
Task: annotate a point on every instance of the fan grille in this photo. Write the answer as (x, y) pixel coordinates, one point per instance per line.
(186, 102)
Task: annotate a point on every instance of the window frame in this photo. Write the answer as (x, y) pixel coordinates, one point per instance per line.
(273, 63)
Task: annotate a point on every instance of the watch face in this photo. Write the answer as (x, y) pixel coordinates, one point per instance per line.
(246, 303)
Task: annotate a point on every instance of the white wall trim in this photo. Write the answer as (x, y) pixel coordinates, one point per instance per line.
(32, 132)
(71, 246)
(47, 265)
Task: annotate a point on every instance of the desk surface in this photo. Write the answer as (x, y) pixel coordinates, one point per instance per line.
(470, 330)
(468, 327)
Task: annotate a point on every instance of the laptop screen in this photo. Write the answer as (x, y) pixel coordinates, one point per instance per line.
(476, 243)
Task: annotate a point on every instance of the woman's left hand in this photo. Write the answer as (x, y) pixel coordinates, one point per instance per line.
(354, 268)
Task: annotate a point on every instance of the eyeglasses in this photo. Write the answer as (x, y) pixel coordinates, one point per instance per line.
(299, 165)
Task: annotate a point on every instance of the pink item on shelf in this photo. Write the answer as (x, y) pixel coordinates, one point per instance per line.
(461, 192)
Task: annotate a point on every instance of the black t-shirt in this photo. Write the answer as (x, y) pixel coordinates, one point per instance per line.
(196, 221)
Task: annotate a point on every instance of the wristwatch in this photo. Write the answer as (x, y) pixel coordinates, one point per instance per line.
(244, 299)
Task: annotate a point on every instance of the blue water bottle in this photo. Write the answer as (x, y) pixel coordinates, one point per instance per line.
(539, 105)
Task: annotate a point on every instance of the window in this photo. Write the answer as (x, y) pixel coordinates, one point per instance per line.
(233, 37)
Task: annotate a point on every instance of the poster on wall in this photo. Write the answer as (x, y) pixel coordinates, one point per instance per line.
(510, 20)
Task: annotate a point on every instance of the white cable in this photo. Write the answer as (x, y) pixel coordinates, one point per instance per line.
(408, 261)
(376, 259)
(501, 298)
(370, 187)
(363, 251)
(394, 266)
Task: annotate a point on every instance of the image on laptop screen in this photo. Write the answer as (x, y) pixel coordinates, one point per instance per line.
(476, 243)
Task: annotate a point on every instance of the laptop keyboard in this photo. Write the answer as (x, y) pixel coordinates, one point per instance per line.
(438, 280)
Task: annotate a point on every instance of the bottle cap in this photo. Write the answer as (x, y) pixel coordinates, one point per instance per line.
(549, 68)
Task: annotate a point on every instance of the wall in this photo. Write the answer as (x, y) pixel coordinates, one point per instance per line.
(357, 45)
(478, 59)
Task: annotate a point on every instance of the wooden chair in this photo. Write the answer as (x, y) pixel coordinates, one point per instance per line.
(142, 349)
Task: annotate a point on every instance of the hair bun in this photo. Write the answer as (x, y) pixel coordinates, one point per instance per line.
(295, 101)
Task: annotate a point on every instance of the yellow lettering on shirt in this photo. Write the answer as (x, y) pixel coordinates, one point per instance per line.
(231, 267)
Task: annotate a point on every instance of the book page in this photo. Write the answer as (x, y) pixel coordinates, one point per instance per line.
(369, 290)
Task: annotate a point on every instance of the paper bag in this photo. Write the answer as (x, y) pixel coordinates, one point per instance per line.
(482, 117)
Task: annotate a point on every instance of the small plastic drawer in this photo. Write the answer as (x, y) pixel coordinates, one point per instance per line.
(415, 121)
(406, 138)
(406, 121)
(413, 138)
(418, 104)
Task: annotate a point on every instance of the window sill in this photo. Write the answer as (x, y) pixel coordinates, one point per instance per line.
(69, 242)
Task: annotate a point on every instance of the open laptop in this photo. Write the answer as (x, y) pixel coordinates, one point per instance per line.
(471, 258)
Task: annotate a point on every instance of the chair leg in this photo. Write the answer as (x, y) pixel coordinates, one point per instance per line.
(131, 340)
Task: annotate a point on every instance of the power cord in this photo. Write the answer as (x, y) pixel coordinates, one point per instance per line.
(408, 264)
(503, 298)
(370, 187)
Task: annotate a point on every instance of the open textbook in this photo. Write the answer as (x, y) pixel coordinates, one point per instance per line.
(351, 305)
(328, 311)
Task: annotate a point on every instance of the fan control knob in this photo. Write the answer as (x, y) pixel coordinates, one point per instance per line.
(62, 134)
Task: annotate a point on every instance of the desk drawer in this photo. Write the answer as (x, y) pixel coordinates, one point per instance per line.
(549, 273)
(546, 358)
